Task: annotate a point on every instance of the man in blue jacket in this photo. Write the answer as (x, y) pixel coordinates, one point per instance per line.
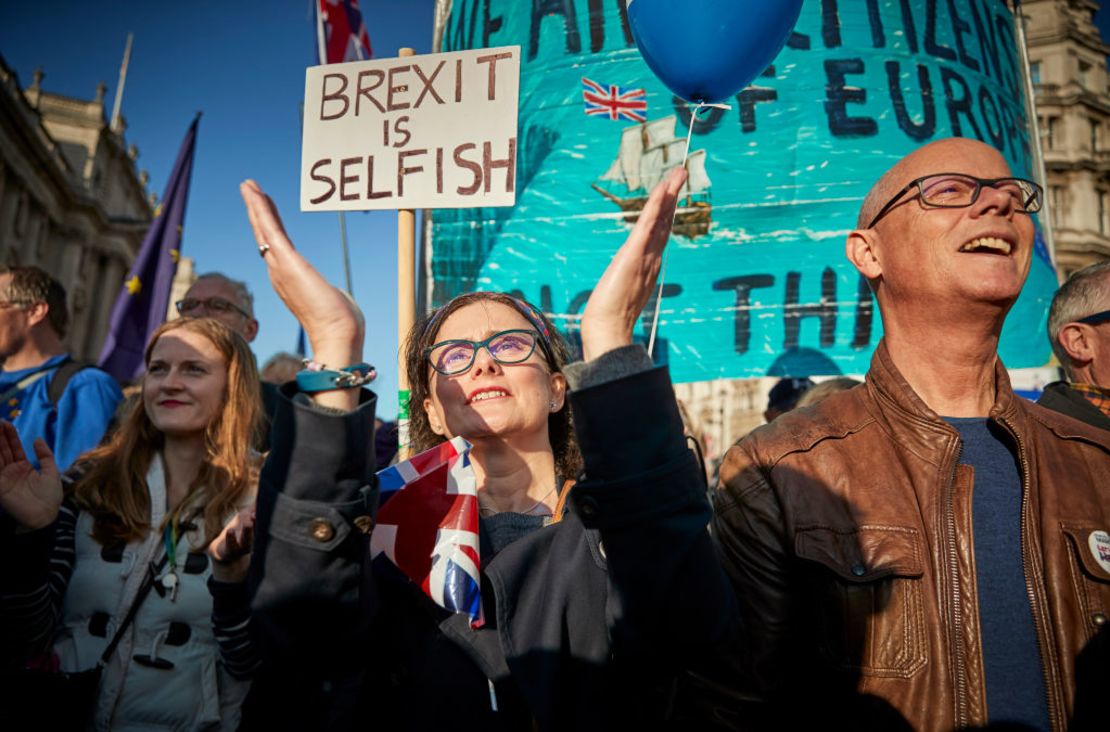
(43, 391)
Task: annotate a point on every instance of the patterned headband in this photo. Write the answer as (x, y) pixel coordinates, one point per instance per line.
(534, 318)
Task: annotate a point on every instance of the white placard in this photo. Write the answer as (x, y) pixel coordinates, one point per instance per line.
(433, 131)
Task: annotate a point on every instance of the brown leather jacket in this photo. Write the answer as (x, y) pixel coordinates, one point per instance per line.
(846, 529)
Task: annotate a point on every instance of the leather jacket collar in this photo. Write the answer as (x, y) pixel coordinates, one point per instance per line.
(912, 421)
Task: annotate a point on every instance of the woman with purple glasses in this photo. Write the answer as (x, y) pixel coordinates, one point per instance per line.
(599, 582)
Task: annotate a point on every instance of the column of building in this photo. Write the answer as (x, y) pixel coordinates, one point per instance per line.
(1068, 65)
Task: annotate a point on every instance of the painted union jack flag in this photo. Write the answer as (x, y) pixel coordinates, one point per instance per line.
(614, 102)
(429, 526)
(342, 34)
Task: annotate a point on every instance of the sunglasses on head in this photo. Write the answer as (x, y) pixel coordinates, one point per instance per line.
(1095, 319)
(189, 306)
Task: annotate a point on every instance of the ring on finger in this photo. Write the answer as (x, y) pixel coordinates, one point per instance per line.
(262, 249)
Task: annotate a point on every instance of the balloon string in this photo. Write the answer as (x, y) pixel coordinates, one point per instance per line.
(663, 270)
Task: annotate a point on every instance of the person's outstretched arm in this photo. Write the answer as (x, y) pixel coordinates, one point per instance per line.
(643, 488)
(309, 603)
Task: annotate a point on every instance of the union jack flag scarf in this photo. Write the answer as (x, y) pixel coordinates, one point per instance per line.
(429, 526)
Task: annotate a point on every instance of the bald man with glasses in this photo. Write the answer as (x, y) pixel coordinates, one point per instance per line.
(925, 551)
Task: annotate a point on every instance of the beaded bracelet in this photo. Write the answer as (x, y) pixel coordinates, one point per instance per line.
(317, 377)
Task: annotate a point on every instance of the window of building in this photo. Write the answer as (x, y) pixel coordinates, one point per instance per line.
(22, 213)
(1055, 203)
(1052, 130)
(1035, 72)
(1103, 210)
(1084, 75)
(1094, 134)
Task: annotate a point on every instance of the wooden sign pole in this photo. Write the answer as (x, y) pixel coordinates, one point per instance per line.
(406, 309)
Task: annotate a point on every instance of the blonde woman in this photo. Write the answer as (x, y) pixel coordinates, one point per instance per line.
(129, 526)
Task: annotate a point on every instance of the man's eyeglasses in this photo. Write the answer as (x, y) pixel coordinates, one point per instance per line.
(192, 306)
(956, 190)
(457, 356)
(1096, 319)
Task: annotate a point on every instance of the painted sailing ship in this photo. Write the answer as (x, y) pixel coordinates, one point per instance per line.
(648, 152)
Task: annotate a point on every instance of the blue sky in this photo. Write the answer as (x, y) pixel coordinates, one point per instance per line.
(242, 64)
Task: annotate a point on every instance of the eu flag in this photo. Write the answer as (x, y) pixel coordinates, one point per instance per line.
(144, 298)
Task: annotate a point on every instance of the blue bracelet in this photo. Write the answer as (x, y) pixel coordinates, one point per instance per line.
(317, 377)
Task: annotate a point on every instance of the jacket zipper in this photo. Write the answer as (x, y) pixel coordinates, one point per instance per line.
(957, 612)
(492, 696)
(1030, 591)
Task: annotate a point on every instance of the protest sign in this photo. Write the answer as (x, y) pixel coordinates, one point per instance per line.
(433, 131)
(757, 280)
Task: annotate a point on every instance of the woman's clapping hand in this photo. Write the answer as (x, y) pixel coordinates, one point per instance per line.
(624, 289)
(332, 321)
(32, 497)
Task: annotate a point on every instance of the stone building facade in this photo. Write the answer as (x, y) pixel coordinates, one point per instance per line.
(71, 199)
(1067, 60)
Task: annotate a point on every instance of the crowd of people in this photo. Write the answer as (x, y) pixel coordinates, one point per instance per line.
(921, 550)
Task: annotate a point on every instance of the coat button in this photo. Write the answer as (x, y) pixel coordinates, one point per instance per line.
(588, 506)
(858, 569)
(322, 530)
(1099, 619)
(364, 523)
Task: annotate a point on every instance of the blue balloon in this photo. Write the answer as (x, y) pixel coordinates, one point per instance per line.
(707, 50)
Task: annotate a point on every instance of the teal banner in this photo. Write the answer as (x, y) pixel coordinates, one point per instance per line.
(756, 279)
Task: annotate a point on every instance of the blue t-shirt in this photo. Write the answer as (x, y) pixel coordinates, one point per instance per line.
(77, 423)
(1011, 658)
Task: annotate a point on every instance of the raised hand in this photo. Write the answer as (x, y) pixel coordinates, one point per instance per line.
(32, 497)
(624, 289)
(331, 319)
(230, 552)
(329, 316)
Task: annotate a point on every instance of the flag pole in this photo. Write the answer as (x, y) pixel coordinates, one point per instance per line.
(114, 125)
(321, 41)
(322, 52)
(1035, 127)
(406, 309)
(346, 253)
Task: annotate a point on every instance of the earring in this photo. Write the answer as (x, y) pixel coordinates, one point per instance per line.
(552, 405)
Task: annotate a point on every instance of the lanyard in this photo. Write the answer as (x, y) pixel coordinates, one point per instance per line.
(169, 537)
(169, 579)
